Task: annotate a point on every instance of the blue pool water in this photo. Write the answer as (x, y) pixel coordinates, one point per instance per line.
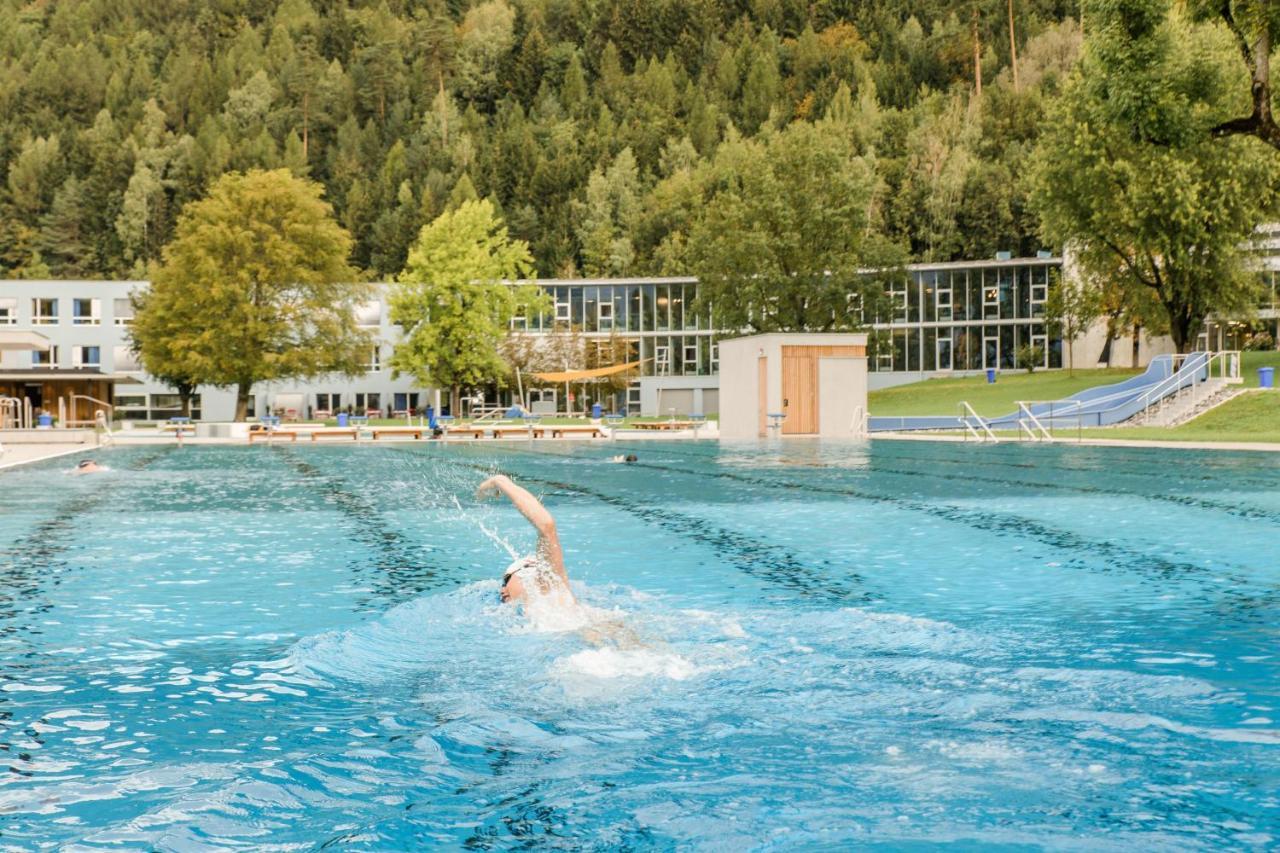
(900, 645)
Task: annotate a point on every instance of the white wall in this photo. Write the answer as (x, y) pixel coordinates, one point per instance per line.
(842, 397)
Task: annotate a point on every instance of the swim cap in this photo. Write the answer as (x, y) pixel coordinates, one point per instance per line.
(518, 565)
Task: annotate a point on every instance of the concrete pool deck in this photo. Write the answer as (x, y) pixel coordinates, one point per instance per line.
(24, 454)
(1261, 446)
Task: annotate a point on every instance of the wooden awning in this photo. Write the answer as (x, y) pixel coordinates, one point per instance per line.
(579, 375)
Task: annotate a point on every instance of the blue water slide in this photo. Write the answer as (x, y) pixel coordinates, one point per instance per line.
(1102, 405)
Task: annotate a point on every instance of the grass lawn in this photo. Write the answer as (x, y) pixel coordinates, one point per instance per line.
(943, 396)
(1254, 416)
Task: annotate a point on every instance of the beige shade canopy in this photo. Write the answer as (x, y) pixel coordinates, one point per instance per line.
(23, 342)
(578, 375)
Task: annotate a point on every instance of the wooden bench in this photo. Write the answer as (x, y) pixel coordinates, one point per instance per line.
(316, 434)
(500, 431)
(273, 434)
(663, 425)
(473, 431)
(566, 431)
(415, 432)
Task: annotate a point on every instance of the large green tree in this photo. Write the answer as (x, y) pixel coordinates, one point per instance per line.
(1129, 175)
(787, 232)
(454, 301)
(254, 287)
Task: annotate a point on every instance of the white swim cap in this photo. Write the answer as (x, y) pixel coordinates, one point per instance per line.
(518, 565)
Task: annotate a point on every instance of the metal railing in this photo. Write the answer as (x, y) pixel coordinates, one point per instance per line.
(1036, 431)
(100, 421)
(968, 417)
(74, 422)
(859, 422)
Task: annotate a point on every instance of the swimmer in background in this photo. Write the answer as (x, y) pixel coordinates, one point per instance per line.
(545, 568)
(87, 466)
(629, 458)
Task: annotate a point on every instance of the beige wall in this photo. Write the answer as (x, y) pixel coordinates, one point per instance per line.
(842, 397)
(739, 381)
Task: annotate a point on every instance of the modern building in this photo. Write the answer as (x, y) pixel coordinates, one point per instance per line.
(944, 318)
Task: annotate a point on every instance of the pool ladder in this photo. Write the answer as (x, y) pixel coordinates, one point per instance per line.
(973, 422)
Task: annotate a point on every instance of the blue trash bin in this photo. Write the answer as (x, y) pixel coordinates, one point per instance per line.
(342, 419)
(1266, 377)
(991, 376)
(596, 409)
(44, 420)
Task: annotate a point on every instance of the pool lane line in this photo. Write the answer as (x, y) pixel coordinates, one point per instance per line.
(1153, 567)
(1239, 511)
(752, 557)
(395, 552)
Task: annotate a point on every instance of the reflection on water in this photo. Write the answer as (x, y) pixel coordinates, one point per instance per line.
(825, 645)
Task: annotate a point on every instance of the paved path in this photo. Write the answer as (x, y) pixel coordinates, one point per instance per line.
(21, 454)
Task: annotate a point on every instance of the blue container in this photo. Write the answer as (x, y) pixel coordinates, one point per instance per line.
(44, 420)
(1266, 377)
(596, 410)
(991, 376)
(342, 419)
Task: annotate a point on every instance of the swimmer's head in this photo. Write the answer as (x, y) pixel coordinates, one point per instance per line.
(85, 463)
(631, 457)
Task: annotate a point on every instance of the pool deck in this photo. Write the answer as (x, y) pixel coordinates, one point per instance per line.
(1266, 447)
(24, 454)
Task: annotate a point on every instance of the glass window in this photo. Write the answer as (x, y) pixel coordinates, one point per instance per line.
(662, 307)
(715, 358)
(690, 355)
(634, 312)
(1024, 292)
(1008, 348)
(563, 312)
(124, 359)
(86, 312)
(44, 312)
(591, 309)
(368, 403)
(605, 316)
(129, 401)
(990, 296)
(122, 311)
(8, 310)
(86, 357)
(575, 305)
(45, 359)
(913, 349)
(662, 359)
(375, 359)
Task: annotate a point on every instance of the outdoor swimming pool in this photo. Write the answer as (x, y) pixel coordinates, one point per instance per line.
(910, 643)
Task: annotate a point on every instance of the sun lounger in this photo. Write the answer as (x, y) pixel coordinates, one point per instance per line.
(566, 431)
(517, 429)
(334, 433)
(273, 434)
(412, 432)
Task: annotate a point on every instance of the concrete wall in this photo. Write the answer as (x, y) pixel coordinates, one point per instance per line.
(845, 387)
(842, 397)
(689, 395)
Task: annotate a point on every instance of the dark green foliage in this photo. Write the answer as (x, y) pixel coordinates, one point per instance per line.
(116, 113)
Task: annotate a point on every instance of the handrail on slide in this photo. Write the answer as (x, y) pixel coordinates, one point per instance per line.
(967, 412)
(1037, 430)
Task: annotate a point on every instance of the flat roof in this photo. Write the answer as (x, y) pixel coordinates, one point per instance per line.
(86, 373)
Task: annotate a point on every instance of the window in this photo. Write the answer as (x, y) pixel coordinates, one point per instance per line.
(86, 312)
(691, 358)
(130, 407)
(45, 359)
(943, 299)
(369, 314)
(122, 311)
(86, 357)
(328, 402)
(519, 321)
(375, 360)
(44, 312)
(124, 359)
(8, 311)
(715, 358)
(562, 312)
(368, 402)
(662, 358)
(605, 315)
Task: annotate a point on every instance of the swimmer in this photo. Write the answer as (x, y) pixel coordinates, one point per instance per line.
(87, 466)
(543, 570)
(628, 459)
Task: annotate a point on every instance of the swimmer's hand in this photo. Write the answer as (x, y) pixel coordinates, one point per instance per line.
(491, 486)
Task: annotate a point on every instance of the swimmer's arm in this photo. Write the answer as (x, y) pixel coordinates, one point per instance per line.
(536, 514)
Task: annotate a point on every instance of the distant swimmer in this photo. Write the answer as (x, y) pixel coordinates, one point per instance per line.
(541, 574)
(628, 459)
(87, 466)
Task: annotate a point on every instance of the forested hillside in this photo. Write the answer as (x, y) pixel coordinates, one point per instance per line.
(581, 119)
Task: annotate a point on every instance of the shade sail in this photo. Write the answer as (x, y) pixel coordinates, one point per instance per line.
(23, 341)
(579, 375)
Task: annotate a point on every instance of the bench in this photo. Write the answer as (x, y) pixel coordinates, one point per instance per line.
(273, 434)
(566, 431)
(500, 431)
(663, 425)
(415, 432)
(335, 433)
(473, 431)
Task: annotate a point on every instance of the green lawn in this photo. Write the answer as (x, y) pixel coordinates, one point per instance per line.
(1254, 416)
(1251, 361)
(943, 396)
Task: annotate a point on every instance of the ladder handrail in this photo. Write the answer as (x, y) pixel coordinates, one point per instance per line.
(1028, 415)
(986, 428)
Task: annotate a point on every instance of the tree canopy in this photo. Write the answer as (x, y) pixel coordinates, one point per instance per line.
(255, 286)
(453, 301)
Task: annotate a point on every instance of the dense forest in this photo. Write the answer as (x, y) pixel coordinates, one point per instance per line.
(577, 118)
